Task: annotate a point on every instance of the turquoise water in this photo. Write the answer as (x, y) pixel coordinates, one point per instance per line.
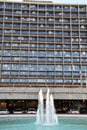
(29, 124)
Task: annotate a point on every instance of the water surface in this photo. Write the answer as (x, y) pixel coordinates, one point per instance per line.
(29, 124)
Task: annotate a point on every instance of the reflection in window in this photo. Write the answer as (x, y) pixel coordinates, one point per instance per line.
(84, 67)
(67, 53)
(6, 67)
(58, 81)
(83, 53)
(75, 53)
(58, 67)
(5, 80)
(76, 67)
(67, 68)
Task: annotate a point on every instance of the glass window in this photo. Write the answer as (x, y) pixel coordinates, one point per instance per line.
(76, 81)
(58, 67)
(41, 53)
(50, 53)
(58, 46)
(75, 33)
(66, 46)
(83, 46)
(7, 44)
(83, 53)
(50, 67)
(33, 67)
(58, 81)
(33, 53)
(5, 80)
(14, 80)
(67, 53)
(67, 73)
(67, 59)
(23, 67)
(76, 73)
(41, 80)
(74, 8)
(50, 59)
(32, 80)
(75, 26)
(50, 80)
(75, 46)
(6, 72)
(50, 45)
(14, 72)
(67, 68)
(76, 59)
(83, 59)
(58, 59)
(67, 81)
(84, 67)
(32, 6)
(6, 66)
(67, 39)
(23, 80)
(59, 73)
(15, 67)
(17, 6)
(75, 53)
(82, 8)
(6, 58)
(15, 52)
(58, 53)
(6, 52)
(66, 7)
(76, 67)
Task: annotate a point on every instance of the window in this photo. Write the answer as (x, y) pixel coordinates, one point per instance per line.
(76, 73)
(66, 46)
(58, 81)
(58, 53)
(84, 67)
(67, 68)
(75, 53)
(50, 53)
(76, 59)
(59, 73)
(5, 80)
(75, 46)
(67, 59)
(76, 67)
(83, 53)
(6, 67)
(67, 53)
(50, 67)
(67, 81)
(58, 67)
(67, 73)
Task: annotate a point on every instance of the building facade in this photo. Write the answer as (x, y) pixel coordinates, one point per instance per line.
(43, 44)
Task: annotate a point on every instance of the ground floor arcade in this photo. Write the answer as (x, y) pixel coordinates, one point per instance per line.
(61, 106)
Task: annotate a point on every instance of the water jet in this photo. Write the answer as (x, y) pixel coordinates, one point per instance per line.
(46, 112)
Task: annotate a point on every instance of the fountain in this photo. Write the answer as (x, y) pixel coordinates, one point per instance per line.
(46, 113)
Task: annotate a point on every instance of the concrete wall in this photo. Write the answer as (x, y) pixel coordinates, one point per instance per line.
(32, 93)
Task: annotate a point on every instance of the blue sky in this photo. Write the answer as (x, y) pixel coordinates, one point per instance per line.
(71, 1)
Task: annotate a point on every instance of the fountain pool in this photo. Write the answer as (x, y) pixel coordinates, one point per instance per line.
(29, 124)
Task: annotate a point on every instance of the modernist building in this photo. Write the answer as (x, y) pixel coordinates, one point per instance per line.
(42, 44)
